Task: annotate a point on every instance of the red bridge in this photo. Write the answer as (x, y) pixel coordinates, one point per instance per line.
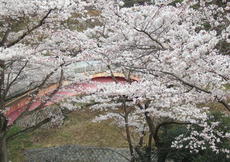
(25, 104)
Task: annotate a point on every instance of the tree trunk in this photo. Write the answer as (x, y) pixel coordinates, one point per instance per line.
(149, 149)
(126, 118)
(129, 138)
(3, 149)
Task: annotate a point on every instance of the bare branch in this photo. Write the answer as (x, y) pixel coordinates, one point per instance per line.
(15, 79)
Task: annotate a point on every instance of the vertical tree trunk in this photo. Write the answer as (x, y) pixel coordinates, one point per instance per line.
(129, 140)
(149, 149)
(3, 131)
(3, 149)
(3, 121)
(126, 118)
(2, 74)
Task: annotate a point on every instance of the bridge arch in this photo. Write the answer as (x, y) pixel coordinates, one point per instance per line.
(107, 77)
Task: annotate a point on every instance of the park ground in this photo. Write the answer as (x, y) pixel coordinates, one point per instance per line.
(78, 129)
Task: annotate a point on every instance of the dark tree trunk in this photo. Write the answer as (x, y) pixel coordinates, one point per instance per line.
(3, 132)
(3, 120)
(129, 139)
(3, 149)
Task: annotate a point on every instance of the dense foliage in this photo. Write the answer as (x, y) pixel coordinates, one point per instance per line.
(178, 52)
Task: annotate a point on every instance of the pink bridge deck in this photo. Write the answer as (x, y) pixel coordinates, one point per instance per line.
(25, 103)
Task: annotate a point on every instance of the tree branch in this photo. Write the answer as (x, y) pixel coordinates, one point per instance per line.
(139, 69)
(112, 74)
(51, 94)
(15, 78)
(40, 23)
(4, 38)
(224, 104)
(37, 91)
(149, 35)
(186, 83)
(29, 129)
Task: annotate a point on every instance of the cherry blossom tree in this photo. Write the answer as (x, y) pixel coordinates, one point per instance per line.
(180, 53)
(35, 48)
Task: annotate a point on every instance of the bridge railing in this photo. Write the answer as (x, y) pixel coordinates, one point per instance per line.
(94, 67)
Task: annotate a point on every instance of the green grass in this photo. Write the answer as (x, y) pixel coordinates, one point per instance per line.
(77, 129)
(18, 145)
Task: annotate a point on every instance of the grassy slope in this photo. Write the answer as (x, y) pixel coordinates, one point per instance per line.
(77, 129)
